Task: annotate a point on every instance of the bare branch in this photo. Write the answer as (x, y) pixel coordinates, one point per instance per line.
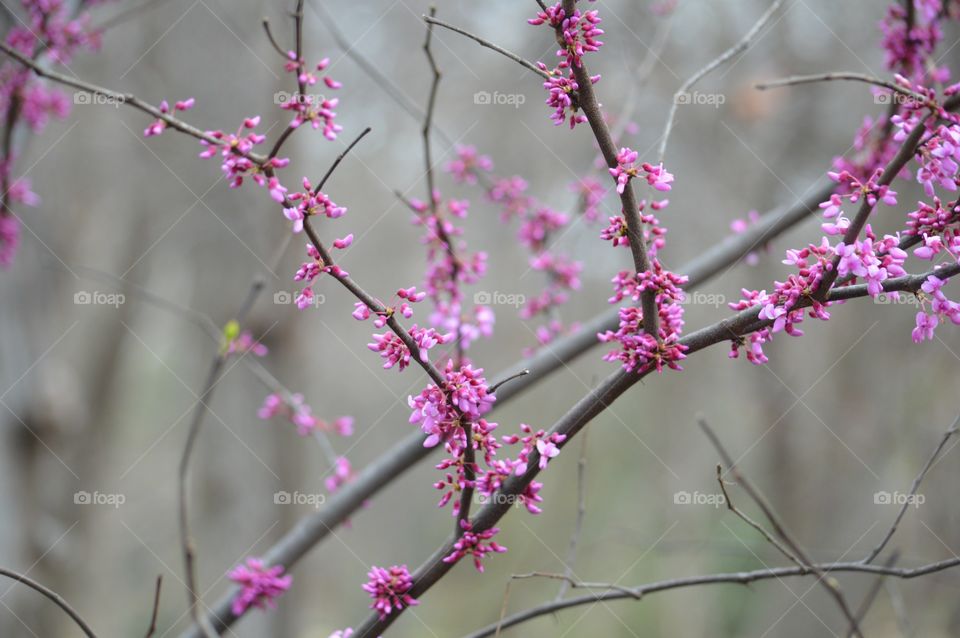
(530, 66)
(843, 75)
(913, 491)
(736, 49)
(52, 595)
(156, 608)
(795, 552)
(739, 578)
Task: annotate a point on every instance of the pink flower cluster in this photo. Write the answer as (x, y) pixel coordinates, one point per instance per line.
(389, 589)
(246, 342)
(653, 233)
(260, 585)
(871, 260)
(449, 268)
(626, 169)
(441, 411)
(309, 271)
(159, 125)
(544, 443)
(50, 33)
(469, 165)
(316, 109)
(910, 42)
(396, 353)
(639, 351)
(476, 544)
(591, 192)
(235, 150)
(940, 307)
(740, 226)
(538, 223)
(301, 415)
(310, 202)
(342, 474)
(579, 33)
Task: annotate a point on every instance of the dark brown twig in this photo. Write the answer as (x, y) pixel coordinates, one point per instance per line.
(736, 49)
(156, 609)
(51, 595)
(795, 553)
(530, 66)
(738, 578)
(913, 491)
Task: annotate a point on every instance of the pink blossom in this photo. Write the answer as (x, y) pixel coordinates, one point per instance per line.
(159, 125)
(260, 585)
(246, 343)
(476, 544)
(389, 589)
(468, 165)
(342, 474)
(9, 239)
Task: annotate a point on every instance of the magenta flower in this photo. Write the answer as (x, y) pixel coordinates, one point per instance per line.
(245, 342)
(260, 586)
(342, 474)
(925, 327)
(625, 168)
(469, 165)
(9, 239)
(159, 125)
(389, 589)
(476, 544)
(308, 203)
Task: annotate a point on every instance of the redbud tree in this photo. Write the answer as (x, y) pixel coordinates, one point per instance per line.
(485, 469)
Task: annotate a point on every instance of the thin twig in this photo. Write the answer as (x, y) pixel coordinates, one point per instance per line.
(53, 596)
(121, 98)
(749, 521)
(718, 61)
(530, 66)
(273, 40)
(336, 162)
(913, 491)
(796, 553)
(188, 549)
(578, 525)
(739, 578)
(493, 388)
(864, 607)
(156, 608)
(843, 75)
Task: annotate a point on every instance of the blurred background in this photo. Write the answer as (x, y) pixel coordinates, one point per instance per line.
(96, 398)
